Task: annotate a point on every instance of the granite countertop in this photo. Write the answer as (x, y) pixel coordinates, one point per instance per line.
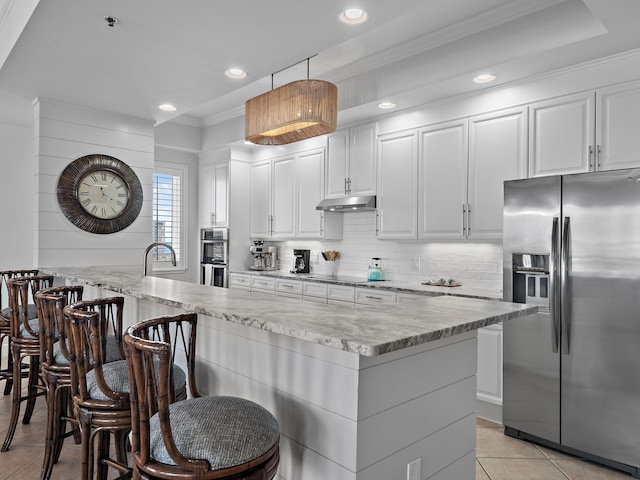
(414, 288)
(365, 331)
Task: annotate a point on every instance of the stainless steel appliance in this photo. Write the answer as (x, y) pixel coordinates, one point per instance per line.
(214, 257)
(572, 371)
(264, 258)
(301, 261)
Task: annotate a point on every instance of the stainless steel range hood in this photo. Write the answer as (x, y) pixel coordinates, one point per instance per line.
(348, 204)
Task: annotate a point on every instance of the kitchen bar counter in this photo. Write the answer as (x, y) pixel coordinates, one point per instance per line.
(358, 393)
(414, 288)
(358, 331)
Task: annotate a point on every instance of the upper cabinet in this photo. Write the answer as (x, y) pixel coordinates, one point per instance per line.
(585, 132)
(213, 188)
(397, 185)
(284, 195)
(443, 159)
(351, 162)
(562, 135)
(617, 127)
(460, 168)
(497, 152)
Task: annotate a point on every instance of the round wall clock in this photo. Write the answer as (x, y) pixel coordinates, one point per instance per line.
(99, 194)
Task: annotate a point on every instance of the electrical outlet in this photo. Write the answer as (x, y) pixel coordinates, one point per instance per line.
(416, 263)
(413, 470)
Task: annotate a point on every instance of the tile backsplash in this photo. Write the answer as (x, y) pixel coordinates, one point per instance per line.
(472, 264)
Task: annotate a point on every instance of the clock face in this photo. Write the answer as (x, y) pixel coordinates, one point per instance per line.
(99, 194)
(103, 194)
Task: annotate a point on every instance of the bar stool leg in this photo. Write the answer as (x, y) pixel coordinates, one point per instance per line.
(32, 389)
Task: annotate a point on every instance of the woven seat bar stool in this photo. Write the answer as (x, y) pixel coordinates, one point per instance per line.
(100, 388)
(25, 344)
(199, 438)
(6, 373)
(56, 371)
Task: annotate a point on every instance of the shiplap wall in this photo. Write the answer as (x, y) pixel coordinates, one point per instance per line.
(62, 134)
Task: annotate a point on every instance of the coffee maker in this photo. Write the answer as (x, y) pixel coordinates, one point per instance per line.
(302, 258)
(264, 258)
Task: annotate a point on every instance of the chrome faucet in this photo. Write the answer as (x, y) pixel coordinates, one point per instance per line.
(158, 244)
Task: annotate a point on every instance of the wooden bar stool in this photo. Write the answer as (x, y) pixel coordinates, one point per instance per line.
(6, 373)
(25, 343)
(56, 372)
(100, 388)
(199, 438)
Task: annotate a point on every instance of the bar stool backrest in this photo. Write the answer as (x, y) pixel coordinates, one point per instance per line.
(53, 332)
(89, 323)
(22, 292)
(5, 276)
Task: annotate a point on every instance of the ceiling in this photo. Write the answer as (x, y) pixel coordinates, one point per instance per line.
(410, 51)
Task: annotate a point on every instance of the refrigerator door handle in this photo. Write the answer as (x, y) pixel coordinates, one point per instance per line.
(553, 279)
(564, 299)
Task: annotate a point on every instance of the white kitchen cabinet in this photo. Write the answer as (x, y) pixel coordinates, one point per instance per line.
(489, 378)
(289, 288)
(586, 132)
(263, 285)
(314, 292)
(240, 281)
(369, 296)
(283, 197)
(310, 177)
(340, 293)
(497, 152)
(442, 169)
(561, 135)
(260, 200)
(397, 185)
(351, 162)
(213, 188)
(617, 127)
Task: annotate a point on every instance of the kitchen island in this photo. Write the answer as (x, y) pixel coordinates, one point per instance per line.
(359, 393)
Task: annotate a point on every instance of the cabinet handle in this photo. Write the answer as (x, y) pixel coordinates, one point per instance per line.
(212, 218)
(270, 227)
(468, 219)
(372, 297)
(287, 286)
(598, 151)
(464, 220)
(349, 185)
(346, 188)
(590, 158)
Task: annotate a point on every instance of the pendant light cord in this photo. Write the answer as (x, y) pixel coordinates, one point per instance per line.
(293, 65)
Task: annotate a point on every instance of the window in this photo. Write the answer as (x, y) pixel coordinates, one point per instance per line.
(168, 215)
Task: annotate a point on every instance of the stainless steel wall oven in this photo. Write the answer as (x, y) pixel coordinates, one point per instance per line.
(214, 257)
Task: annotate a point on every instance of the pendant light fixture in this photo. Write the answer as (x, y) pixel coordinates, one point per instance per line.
(293, 112)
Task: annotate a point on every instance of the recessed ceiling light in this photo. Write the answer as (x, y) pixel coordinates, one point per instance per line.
(167, 107)
(386, 105)
(354, 16)
(235, 73)
(484, 78)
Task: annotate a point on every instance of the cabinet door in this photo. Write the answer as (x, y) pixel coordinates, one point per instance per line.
(398, 185)
(490, 364)
(284, 197)
(442, 169)
(362, 160)
(337, 164)
(260, 203)
(221, 195)
(310, 188)
(561, 136)
(206, 211)
(618, 124)
(497, 152)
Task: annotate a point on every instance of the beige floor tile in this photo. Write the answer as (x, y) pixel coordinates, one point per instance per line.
(521, 469)
(492, 442)
(17, 462)
(480, 473)
(483, 423)
(583, 470)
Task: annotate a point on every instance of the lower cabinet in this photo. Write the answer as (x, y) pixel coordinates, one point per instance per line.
(489, 379)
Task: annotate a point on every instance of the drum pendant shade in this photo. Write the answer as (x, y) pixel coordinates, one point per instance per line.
(293, 112)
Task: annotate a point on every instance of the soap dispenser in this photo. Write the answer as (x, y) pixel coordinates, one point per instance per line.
(375, 270)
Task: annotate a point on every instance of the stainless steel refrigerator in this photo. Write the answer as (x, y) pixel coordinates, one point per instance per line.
(572, 371)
